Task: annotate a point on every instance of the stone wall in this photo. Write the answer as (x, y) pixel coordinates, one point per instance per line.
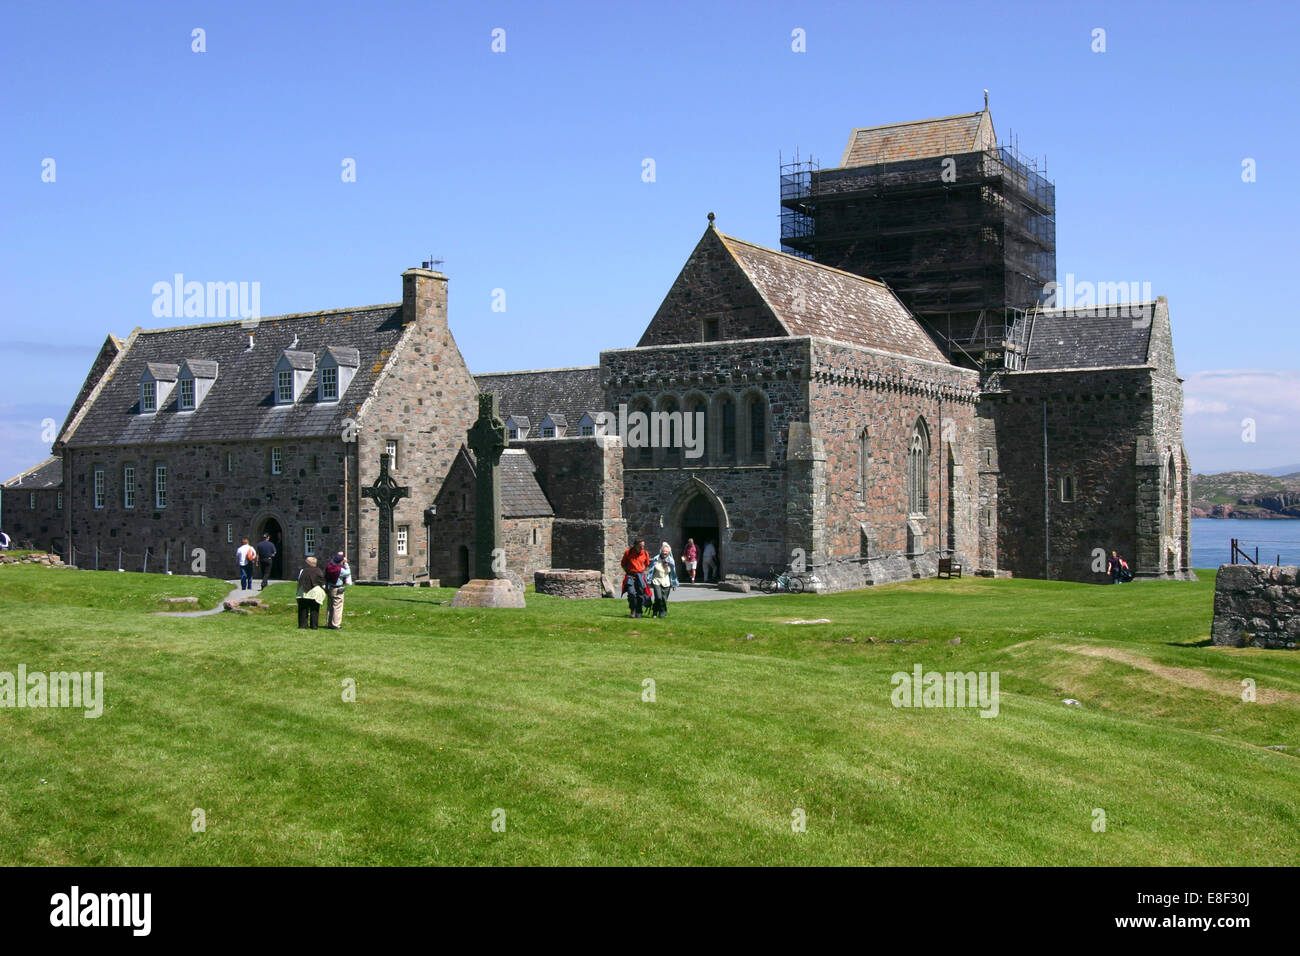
(575, 585)
(871, 538)
(33, 518)
(426, 400)
(216, 494)
(1257, 606)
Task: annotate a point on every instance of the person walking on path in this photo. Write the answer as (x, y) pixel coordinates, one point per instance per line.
(246, 555)
(337, 577)
(265, 552)
(710, 561)
(311, 592)
(635, 561)
(663, 578)
(691, 557)
(1118, 568)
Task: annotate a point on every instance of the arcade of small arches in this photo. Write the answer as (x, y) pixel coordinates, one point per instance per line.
(735, 429)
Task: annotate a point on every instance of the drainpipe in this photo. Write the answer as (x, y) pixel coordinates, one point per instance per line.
(1047, 503)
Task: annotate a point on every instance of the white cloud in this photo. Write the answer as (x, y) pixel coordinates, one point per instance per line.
(1224, 408)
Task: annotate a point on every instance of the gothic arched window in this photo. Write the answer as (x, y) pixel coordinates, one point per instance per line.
(918, 470)
(864, 462)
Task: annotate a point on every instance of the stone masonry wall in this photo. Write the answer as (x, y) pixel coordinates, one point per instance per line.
(853, 389)
(426, 400)
(1257, 606)
(38, 527)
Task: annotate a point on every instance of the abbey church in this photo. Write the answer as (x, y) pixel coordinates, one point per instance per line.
(895, 388)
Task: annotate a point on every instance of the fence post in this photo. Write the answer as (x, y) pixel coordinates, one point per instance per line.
(144, 564)
(167, 558)
(119, 558)
(96, 555)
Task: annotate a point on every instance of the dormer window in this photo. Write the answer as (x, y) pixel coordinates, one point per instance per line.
(292, 372)
(195, 379)
(553, 425)
(156, 384)
(338, 364)
(592, 423)
(517, 427)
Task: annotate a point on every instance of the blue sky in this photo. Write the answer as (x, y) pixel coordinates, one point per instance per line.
(523, 169)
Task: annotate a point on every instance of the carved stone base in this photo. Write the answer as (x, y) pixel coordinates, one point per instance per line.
(488, 592)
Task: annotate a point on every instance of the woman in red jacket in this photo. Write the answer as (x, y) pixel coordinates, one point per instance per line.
(635, 561)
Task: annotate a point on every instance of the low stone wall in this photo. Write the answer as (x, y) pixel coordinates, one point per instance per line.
(559, 582)
(1257, 606)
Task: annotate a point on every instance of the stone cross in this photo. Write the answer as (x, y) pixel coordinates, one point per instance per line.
(386, 493)
(487, 439)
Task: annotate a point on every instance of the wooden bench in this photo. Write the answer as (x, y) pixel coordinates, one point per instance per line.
(947, 568)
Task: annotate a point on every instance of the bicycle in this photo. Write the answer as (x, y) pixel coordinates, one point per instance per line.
(780, 581)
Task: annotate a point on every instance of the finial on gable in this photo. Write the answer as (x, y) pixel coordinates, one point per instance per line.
(711, 218)
(986, 101)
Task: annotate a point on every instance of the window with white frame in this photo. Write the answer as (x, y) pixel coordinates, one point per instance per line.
(230, 533)
(31, 500)
(548, 431)
(230, 462)
(1066, 483)
(148, 397)
(284, 386)
(403, 534)
(587, 430)
(390, 449)
(128, 486)
(58, 501)
(99, 486)
(203, 515)
(329, 383)
(277, 460)
(308, 541)
(160, 486)
(186, 401)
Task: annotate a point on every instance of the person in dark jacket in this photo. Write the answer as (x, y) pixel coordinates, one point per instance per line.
(265, 552)
(636, 560)
(311, 592)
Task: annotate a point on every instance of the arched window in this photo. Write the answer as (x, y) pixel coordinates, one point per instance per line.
(695, 427)
(727, 429)
(1171, 493)
(864, 462)
(756, 408)
(918, 470)
(670, 431)
(638, 432)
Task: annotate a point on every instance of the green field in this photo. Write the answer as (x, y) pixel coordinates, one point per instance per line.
(539, 713)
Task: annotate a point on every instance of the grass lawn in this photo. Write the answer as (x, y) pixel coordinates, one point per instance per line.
(539, 713)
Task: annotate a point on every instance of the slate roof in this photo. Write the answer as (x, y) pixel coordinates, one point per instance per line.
(534, 394)
(813, 299)
(521, 495)
(47, 474)
(918, 139)
(240, 403)
(1090, 337)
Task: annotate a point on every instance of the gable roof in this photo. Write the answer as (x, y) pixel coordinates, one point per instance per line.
(241, 403)
(808, 298)
(46, 474)
(521, 495)
(1090, 337)
(566, 392)
(918, 139)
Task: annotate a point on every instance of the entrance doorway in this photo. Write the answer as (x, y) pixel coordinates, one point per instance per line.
(463, 561)
(700, 522)
(272, 527)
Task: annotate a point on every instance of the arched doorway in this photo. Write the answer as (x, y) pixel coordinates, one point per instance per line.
(272, 527)
(463, 562)
(700, 521)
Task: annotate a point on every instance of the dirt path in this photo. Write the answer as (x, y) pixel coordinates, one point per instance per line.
(1184, 675)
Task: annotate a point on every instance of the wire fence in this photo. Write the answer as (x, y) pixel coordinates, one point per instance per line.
(94, 556)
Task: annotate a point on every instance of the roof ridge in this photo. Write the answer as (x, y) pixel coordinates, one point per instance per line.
(271, 318)
(932, 119)
(536, 371)
(807, 262)
(36, 467)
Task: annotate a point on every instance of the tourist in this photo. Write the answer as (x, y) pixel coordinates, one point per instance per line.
(246, 555)
(4, 541)
(663, 578)
(691, 556)
(635, 561)
(710, 561)
(311, 592)
(337, 577)
(1119, 570)
(265, 552)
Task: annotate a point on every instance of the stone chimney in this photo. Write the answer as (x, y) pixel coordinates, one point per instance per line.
(424, 297)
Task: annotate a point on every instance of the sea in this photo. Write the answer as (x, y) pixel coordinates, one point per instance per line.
(1276, 538)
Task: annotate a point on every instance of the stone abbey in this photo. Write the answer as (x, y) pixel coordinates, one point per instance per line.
(891, 390)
